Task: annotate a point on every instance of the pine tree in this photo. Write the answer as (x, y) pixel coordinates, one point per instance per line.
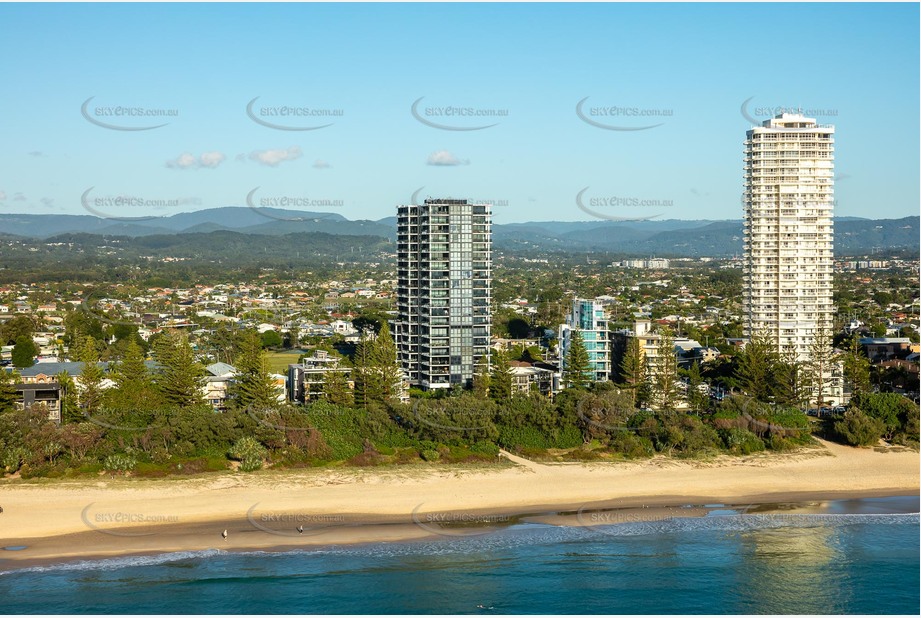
(665, 378)
(336, 388)
(856, 368)
(757, 368)
(134, 389)
(385, 363)
(481, 377)
(252, 386)
(500, 380)
(89, 394)
(697, 400)
(633, 373)
(8, 397)
(576, 366)
(70, 407)
(367, 380)
(181, 376)
(793, 382)
(821, 360)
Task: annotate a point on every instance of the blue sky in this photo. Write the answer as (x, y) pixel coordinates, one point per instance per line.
(686, 68)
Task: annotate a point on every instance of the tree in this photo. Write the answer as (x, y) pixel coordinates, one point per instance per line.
(181, 376)
(134, 388)
(792, 381)
(665, 377)
(377, 373)
(697, 399)
(89, 396)
(633, 373)
(757, 368)
(858, 429)
(367, 383)
(576, 366)
(500, 380)
(385, 362)
(856, 367)
(821, 361)
(16, 327)
(70, 404)
(481, 377)
(24, 352)
(336, 388)
(252, 386)
(8, 397)
(271, 339)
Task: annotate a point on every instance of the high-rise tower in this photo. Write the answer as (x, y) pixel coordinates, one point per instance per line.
(444, 272)
(787, 266)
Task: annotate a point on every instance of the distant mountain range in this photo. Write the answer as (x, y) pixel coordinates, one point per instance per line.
(670, 237)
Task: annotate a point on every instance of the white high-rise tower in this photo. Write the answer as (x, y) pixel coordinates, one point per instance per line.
(787, 267)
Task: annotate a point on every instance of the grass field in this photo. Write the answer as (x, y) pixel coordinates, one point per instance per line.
(279, 361)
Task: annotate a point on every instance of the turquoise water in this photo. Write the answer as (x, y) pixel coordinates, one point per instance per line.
(859, 556)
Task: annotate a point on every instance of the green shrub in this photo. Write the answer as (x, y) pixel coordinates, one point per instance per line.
(631, 446)
(858, 429)
(512, 437)
(568, 436)
(119, 462)
(430, 455)
(485, 448)
(741, 441)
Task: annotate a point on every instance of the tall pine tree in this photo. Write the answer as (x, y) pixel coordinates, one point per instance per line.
(633, 373)
(500, 380)
(8, 397)
(481, 377)
(665, 377)
(134, 389)
(252, 387)
(385, 363)
(89, 393)
(181, 376)
(576, 365)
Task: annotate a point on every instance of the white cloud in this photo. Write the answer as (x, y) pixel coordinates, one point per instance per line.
(2, 195)
(274, 157)
(187, 160)
(184, 161)
(212, 159)
(320, 164)
(445, 158)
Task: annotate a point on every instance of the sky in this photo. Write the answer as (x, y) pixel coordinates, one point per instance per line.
(550, 111)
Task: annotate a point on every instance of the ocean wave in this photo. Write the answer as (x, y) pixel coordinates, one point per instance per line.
(121, 562)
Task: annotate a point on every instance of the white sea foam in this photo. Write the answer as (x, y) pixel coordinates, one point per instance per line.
(122, 562)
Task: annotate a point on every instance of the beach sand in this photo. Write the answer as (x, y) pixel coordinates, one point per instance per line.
(64, 520)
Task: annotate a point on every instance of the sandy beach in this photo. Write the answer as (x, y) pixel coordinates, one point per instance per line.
(53, 521)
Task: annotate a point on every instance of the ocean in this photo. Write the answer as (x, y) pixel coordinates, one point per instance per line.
(855, 557)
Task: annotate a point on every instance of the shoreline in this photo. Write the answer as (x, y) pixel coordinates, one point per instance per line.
(62, 550)
(69, 521)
